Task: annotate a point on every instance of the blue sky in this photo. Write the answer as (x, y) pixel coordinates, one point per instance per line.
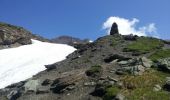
(83, 18)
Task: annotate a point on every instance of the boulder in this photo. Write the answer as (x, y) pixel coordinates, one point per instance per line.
(32, 86)
(58, 86)
(130, 37)
(42, 90)
(123, 62)
(146, 62)
(137, 70)
(157, 87)
(167, 84)
(119, 97)
(13, 95)
(164, 64)
(114, 29)
(113, 57)
(50, 67)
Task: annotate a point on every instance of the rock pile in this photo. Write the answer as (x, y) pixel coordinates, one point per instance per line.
(114, 29)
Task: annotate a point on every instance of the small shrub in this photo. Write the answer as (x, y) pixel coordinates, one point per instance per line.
(94, 71)
(111, 92)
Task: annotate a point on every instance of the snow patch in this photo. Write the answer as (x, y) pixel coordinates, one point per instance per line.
(17, 64)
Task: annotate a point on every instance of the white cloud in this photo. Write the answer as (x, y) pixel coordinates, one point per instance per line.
(127, 26)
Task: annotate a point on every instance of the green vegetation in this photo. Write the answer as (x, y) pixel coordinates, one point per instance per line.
(141, 87)
(148, 94)
(144, 45)
(148, 79)
(111, 92)
(115, 40)
(164, 53)
(94, 70)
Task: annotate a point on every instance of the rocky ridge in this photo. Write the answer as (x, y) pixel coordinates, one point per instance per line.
(14, 36)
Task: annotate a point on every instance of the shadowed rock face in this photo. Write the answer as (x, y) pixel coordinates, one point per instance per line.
(114, 29)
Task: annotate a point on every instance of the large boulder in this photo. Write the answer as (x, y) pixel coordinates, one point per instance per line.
(164, 64)
(32, 85)
(146, 62)
(114, 29)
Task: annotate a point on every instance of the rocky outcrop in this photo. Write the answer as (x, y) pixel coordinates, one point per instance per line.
(114, 29)
(164, 64)
(10, 34)
(14, 36)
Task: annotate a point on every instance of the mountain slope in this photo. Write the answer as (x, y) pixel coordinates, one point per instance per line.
(111, 67)
(114, 67)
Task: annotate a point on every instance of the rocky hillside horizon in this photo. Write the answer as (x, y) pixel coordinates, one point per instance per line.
(113, 67)
(14, 36)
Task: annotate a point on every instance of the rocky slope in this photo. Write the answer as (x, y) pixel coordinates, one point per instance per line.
(112, 67)
(13, 36)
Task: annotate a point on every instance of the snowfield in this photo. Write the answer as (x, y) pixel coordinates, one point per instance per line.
(17, 64)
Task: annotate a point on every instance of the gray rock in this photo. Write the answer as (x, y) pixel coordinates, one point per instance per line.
(146, 62)
(32, 85)
(13, 95)
(123, 62)
(157, 88)
(167, 84)
(89, 83)
(119, 97)
(112, 79)
(138, 70)
(42, 90)
(164, 64)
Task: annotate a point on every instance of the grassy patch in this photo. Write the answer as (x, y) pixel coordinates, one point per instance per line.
(111, 92)
(164, 53)
(143, 86)
(146, 80)
(144, 45)
(94, 70)
(148, 94)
